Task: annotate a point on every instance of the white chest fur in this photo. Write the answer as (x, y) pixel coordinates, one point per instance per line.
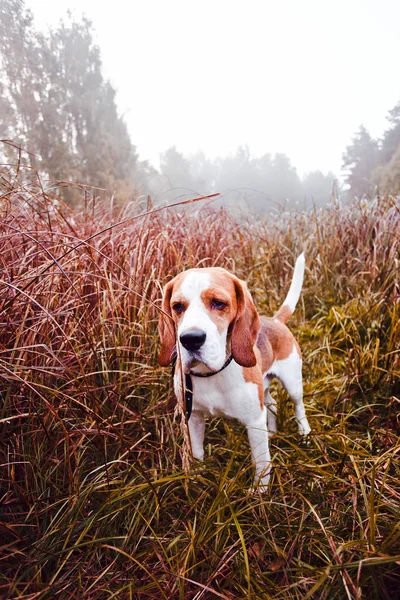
(225, 394)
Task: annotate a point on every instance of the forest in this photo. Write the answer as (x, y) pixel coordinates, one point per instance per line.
(56, 105)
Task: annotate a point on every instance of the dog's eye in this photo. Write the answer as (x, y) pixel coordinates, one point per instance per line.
(218, 304)
(178, 307)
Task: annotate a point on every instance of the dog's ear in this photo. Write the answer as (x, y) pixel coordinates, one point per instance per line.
(166, 328)
(246, 326)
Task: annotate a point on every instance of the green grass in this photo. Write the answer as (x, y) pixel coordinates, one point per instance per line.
(95, 503)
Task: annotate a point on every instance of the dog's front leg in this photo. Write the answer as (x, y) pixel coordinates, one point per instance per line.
(258, 438)
(196, 430)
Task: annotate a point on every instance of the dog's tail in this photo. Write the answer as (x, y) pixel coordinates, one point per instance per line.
(289, 304)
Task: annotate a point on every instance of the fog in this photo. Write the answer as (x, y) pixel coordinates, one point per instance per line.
(262, 102)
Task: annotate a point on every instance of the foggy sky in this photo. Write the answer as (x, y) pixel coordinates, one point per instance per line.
(292, 76)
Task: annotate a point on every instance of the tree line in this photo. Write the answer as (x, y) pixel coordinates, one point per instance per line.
(262, 183)
(374, 165)
(55, 103)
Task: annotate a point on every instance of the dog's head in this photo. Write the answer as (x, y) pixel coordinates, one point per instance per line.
(211, 314)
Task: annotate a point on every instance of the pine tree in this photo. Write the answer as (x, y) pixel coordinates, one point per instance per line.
(387, 175)
(360, 159)
(391, 139)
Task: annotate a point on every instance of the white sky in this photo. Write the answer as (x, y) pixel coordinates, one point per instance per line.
(293, 76)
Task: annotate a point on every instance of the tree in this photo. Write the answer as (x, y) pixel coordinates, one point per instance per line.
(360, 159)
(391, 139)
(261, 182)
(387, 177)
(317, 188)
(286, 184)
(236, 171)
(18, 61)
(175, 168)
(64, 111)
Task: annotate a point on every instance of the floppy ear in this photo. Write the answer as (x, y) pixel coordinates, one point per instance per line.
(246, 326)
(166, 328)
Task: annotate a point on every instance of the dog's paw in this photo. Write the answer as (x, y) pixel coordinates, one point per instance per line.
(199, 457)
(304, 427)
(261, 484)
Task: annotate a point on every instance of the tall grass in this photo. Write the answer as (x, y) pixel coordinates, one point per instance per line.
(94, 500)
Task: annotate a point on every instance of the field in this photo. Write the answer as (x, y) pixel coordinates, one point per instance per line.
(95, 502)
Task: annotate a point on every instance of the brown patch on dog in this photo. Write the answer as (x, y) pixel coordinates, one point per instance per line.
(245, 326)
(279, 338)
(265, 348)
(166, 328)
(283, 314)
(222, 318)
(254, 375)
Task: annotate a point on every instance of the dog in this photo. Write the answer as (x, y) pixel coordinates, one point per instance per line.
(229, 354)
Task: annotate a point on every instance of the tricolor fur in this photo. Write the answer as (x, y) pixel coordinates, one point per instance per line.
(211, 314)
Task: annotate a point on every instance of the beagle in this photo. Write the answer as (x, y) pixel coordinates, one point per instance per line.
(230, 354)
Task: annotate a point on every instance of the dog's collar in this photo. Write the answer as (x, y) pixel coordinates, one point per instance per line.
(211, 373)
(189, 385)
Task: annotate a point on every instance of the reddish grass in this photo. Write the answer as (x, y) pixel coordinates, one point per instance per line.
(94, 501)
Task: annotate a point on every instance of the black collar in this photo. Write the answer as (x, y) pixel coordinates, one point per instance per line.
(211, 373)
(189, 385)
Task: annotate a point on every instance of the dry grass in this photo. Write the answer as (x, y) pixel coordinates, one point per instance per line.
(95, 504)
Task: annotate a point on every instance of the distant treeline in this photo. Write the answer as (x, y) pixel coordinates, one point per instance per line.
(373, 165)
(56, 104)
(261, 183)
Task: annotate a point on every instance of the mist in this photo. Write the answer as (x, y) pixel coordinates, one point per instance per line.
(172, 120)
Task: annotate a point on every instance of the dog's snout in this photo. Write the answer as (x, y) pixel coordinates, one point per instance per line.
(193, 340)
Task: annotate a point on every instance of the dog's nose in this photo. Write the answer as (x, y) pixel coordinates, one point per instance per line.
(193, 340)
